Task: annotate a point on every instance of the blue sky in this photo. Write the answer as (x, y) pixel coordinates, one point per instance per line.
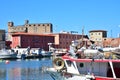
(67, 15)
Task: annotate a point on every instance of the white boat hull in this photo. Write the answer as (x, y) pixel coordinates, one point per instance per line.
(8, 56)
(4, 54)
(67, 76)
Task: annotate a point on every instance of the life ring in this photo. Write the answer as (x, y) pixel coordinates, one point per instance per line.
(58, 63)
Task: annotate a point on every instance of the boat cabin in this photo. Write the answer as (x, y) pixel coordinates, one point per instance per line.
(98, 67)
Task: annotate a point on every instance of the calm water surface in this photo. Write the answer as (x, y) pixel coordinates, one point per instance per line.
(25, 69)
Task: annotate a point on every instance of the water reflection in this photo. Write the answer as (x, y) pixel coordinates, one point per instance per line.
(2, 74)
(24, 70)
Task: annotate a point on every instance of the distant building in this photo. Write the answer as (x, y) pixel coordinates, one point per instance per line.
(111, 42)
(33, 40)
(29, 28)
(2, 39)
(63, 40)
(59, 40)
(97, 36)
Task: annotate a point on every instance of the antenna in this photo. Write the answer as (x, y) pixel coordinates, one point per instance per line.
(82, 32)
(111, 33)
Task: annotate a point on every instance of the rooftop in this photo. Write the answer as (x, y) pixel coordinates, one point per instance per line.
(98, 31)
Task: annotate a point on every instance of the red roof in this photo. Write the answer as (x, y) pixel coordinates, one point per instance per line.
(30, 34)
(97, 31)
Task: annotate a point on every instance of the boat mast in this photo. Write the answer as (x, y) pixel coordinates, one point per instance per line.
(84, 41)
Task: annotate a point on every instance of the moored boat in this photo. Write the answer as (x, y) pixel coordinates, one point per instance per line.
(69, 68)
(27, 53)
(90, 65)
(7, 54)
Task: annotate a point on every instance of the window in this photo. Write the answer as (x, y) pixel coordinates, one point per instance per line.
(47, 24)
(99, 33)
(21, 28)
(3, 37)
(26, 25)
(81, 65)
(61, 43)
(69, 62)
(91, 33)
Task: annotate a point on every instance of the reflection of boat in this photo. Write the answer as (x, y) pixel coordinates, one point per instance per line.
(7, 54)
(89, 67)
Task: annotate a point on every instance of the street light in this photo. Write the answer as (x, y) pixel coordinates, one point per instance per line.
(50, 46)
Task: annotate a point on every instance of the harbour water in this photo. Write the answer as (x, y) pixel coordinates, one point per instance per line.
(29, 69)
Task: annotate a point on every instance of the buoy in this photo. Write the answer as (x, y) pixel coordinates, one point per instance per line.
(7, 61)
(58, 63)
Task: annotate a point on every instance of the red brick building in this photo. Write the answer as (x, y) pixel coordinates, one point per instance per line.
(59, 40)
(63, 40)
(33, 40)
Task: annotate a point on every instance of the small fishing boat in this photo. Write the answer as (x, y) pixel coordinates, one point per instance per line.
(7, 54)
(69, 68)
(27, 53)
(46, 53)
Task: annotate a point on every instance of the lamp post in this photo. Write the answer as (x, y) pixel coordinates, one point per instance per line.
(49, 44)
